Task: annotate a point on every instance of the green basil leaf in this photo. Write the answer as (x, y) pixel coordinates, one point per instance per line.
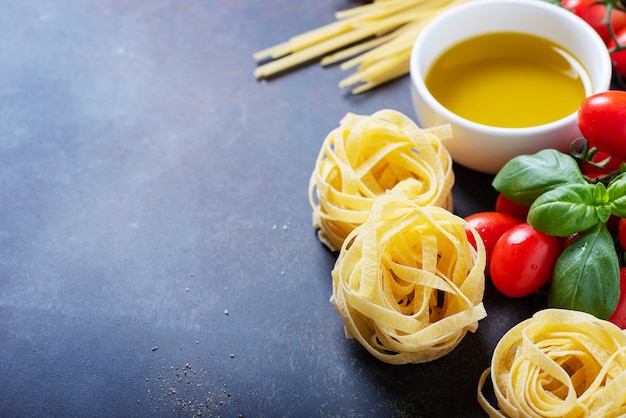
(600, 194)
(617, 195)
(565, 210)
(603, 212)
(586, 275)
(601, 202)
(526, 177)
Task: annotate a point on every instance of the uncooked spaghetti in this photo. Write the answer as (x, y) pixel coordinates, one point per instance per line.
(376, 38)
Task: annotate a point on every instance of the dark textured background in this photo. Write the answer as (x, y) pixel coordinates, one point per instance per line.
(157, 254)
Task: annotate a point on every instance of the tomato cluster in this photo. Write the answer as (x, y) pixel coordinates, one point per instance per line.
(521, 258)
(602, 122)
(608, 19)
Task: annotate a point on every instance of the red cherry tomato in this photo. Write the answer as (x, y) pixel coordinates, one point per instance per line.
(619, 315)
(522, 260)
(608, 164)
(602, 121)
(509, 207)
(618, 57)
(593, 13)
(490, 226)
(621, 232)
(612, 222)
(568, 240)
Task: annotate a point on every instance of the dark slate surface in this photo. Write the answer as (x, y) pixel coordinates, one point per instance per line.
(158, 257)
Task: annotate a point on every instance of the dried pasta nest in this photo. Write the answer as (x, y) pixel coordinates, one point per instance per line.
(368, 155)
(559, 363)
(408, 283)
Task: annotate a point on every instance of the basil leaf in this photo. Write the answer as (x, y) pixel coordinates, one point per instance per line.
(565, 210)
(586, 275)
(526, 177)
(617, 195)
(601, 201)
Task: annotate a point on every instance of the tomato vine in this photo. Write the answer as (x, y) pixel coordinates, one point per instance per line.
(608, 19)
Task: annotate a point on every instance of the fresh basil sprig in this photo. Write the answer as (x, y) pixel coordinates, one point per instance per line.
(524, 178)
(568, 209)
(581, 279)
(571, 208)
(563, 202)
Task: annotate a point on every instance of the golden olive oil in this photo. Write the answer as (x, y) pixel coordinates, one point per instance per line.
(508, 80)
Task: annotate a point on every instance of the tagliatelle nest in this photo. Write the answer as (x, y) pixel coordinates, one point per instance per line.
(366, 156)
(559, 363)
(408, 283)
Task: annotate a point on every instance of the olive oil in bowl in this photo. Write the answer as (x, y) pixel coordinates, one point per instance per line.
(508, 80)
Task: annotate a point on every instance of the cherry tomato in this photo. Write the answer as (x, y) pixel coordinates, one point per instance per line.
(608, 164)
(619, 57)
(522, 260)
(509, 207)
(568, 240)
(612, 222)
(593, 13)
(490, 226)
(621, 232)
(602, 121)
(619, 315)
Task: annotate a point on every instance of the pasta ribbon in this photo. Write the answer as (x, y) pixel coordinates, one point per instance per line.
(377, 38)
(366, 156)
(408, 283)
(559, 363)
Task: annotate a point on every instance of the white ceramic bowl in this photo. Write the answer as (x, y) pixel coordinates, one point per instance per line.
(487, 148)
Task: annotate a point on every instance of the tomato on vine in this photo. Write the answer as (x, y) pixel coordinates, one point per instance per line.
(602, 121)
(594, 12)
(600, 163)
(618, 56)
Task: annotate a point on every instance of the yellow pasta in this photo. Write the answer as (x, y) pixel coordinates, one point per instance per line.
(367, 155)
(379, 36)
(559, 363)
(408, 283)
